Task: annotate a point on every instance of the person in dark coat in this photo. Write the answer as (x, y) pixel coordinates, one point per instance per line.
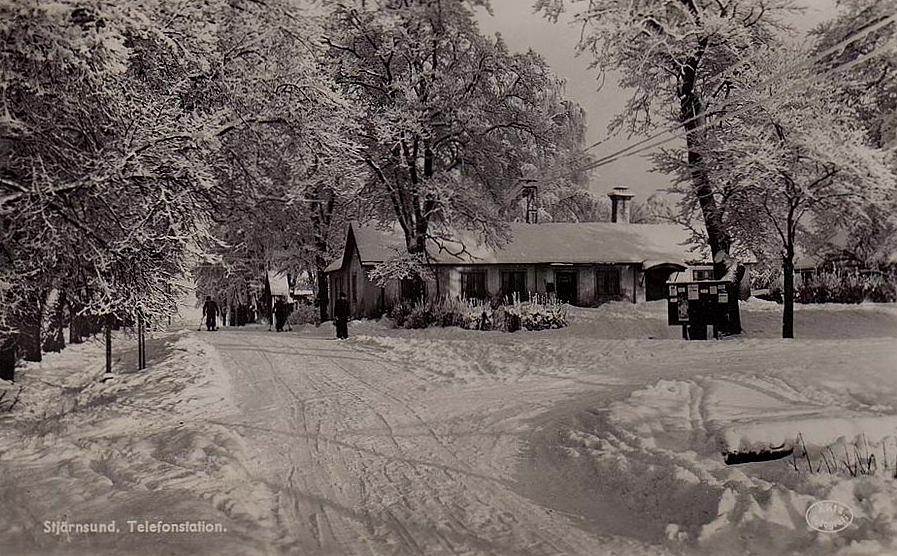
(210, 310)
(341, 316)
(281, 312)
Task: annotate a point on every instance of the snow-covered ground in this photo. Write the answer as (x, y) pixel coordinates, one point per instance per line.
(605, 437)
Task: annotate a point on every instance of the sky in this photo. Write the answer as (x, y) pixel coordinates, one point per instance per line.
(522, 30)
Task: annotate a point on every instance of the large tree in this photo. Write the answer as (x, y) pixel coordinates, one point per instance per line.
(679, 58)
(451, 119)
(792, 151)
(286, 161)
(102, 181)
(868, 234)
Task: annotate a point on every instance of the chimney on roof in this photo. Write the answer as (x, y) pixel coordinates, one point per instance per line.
(619, 209)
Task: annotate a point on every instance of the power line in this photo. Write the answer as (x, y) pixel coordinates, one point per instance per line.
(615, 156)
(728, 115)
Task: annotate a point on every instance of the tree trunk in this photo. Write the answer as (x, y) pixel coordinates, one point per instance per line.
(55, 340)
(417, 245)
(30, 327)
(717, 236)
(109, 319)
(323, 288)
(77, 324)
(8, 356)
(788, 293)
(322, 218)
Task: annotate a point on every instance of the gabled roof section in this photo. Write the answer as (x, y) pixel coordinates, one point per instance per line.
(374, 245)
(559, 243)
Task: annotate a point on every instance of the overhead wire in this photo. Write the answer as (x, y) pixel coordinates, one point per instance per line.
(624, 152)
(728, 115)
(750, 106)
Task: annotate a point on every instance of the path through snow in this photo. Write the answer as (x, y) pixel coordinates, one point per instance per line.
(369, 457)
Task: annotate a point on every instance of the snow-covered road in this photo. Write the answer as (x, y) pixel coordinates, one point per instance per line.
(601, 438)
(367, 457)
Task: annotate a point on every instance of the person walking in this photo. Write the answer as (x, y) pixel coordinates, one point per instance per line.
(210, 310)
(281, 312)
(341, 316)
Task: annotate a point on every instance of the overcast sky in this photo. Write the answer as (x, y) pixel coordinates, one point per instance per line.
(522, 30)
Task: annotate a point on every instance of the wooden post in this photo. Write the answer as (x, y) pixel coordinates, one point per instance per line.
(168, 289)
(108, 344)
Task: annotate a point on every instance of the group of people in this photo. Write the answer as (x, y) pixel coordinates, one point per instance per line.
(281, 312)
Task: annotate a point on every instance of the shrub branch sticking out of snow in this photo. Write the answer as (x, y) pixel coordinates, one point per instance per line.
(854, 459)
(540, 313)
(8, 403)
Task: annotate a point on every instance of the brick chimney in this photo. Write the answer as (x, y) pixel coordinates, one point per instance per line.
(619, 209)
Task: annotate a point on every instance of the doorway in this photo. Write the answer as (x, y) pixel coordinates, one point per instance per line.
(656, 280)
(566, 286)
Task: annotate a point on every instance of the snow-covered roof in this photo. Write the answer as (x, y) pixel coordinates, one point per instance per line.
(547, 243)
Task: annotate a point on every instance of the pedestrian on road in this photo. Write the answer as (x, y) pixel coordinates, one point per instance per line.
(281, 312)
(341, 316)
(210, 310)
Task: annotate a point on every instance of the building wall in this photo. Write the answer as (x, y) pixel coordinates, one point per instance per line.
(544, 275)
(373, 301)
(367, 299)
(632, 283)
(587, 295)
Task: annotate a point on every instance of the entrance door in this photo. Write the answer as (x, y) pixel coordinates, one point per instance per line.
(566, 286)
(656, 280)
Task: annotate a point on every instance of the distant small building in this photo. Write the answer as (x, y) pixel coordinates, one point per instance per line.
(583, 264)
(277, 284)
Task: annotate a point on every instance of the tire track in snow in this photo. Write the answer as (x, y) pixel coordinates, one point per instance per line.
(403, 477)
(396, 493)
(421, 478)
(453, 454)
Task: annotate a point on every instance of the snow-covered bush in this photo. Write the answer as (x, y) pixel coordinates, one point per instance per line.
(845, 287)
(303, 314)
(477, 315)
(539, 313)
(399, 313)
(466, 313)
(839, 286)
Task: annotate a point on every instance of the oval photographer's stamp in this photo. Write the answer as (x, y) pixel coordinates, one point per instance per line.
(829, 516)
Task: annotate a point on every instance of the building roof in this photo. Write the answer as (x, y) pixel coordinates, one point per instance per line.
(548, 243)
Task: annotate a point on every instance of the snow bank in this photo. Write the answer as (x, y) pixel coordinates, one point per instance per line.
(760, 319)
(146, 445)
(663, 443)
(651, 461)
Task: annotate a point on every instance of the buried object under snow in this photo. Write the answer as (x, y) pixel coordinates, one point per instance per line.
(735, 458)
